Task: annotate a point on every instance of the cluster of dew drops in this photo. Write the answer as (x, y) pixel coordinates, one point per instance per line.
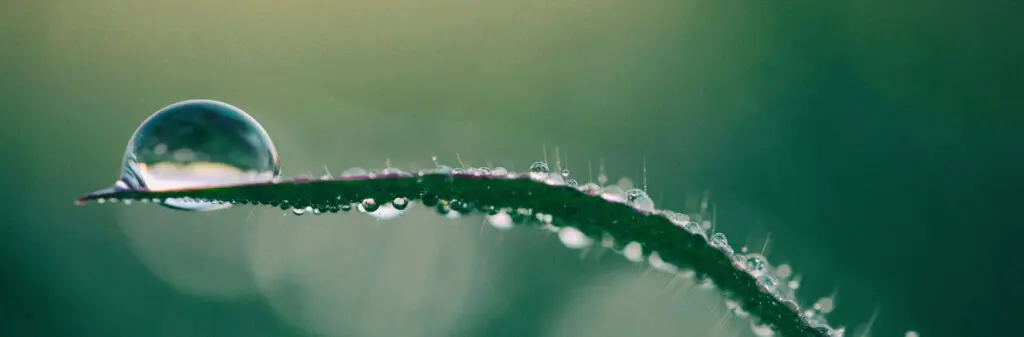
(778, 281)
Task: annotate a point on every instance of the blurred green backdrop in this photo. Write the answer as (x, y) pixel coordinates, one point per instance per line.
(875, 142)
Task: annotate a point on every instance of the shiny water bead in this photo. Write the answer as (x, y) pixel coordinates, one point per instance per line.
(639, 199)
(354, 172)
(501, 220)
(613, 193)
(633, 251)
(659, 264)
(400, 203)
(197, 143)
(368, 205)
(825, 305)
(573, 238)
(718, 240)
(756, 264)
(539, 170)
(499, 171)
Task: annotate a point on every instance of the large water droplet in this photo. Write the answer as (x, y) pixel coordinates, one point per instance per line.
(198, 143)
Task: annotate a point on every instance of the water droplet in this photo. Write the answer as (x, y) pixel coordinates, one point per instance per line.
(565, 173)
(633, 252)
(572, 182)
(573, 238)
(394, 171)
(539, 170)
(368, 205)
(794, 283)
(825, 305)
(499, 171)
(198, 143)
(354, 172)
(784, 271)
(301, 211)
(911, 334)
(501, 220)
(400, 203)
(659, 264)
(590, 188)
(756, 264)
(613, 193)
(719, 241)
(639, 199)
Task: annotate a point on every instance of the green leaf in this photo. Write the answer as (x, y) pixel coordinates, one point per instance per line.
(523, 198)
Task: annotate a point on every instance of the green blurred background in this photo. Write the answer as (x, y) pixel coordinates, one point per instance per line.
(874, 140)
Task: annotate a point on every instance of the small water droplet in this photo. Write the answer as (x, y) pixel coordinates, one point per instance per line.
(501, 220)
(565, 173)
(573, 238)
(400, 203)
(590, 188)
(719, 241)
(784, 271)
(368, 205)
(659, 264)
(572, 182)
(825, 305)
(499, 172)
(794, 283)
(354, 172)
(539, 170)
(301, 211)
(633, 252)
(756, 265)
(198, 143)
(639, 199)
(613, 193)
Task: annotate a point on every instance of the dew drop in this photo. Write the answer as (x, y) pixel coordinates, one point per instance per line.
(572, 182)
(400, 203)
(613, 193)
(659, 264)
(639, 199)
(301, 211)
(573, 238)
(784, 271)
(499, 171)
(825, 305)
(501, 220)
(539, 170)
(756, 264)
(633, 252)
(368, 205)
(198, 143)
(354, 172)
(565, 173)
(718, 240)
